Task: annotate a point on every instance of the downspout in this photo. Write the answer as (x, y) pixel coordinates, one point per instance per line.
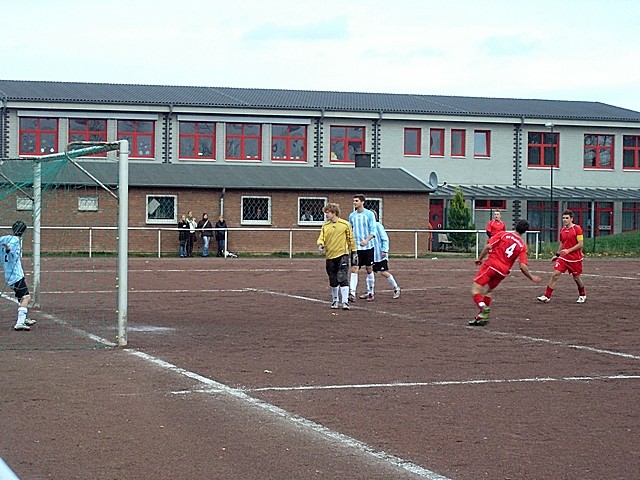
(3, 111)
(167, 135)
(319, 139)
(518, 156)
(376, 140)
(224, 190)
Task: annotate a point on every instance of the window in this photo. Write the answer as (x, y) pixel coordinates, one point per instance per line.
(198, 140)
(162, 209)
(436, 147)
(140, 134)
(598, 151)
(482, 143)
(543, 219)
(374, 204)
(345, 143)
(412, 141)
(87, 204)
(458, 143)
(87, 130)
(631, 152)
(581, 216)
(310, 209)
(491, 204)
(38, 136)
(604, 218)
(630, 216)
(542, 150)
(24, 203)
(243, 141)
(288, 143)
(256, 211)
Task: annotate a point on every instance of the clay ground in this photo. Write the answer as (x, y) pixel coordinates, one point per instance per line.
(238, 369)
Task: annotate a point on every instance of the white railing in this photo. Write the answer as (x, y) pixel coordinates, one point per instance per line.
(308, 246)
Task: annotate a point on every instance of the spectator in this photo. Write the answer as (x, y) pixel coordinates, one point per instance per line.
(205, 228)
(221, 234)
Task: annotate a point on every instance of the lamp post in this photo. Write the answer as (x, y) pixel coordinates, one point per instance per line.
(550, 126)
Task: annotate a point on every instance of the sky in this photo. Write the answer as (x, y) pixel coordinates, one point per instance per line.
(586, 50)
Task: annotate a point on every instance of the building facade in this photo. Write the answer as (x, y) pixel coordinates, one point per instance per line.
(530, 158)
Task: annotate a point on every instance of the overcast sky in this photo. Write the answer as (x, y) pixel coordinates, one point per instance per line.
(551, 49)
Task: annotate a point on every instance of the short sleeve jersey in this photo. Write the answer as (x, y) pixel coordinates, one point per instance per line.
(11, 261)
(569, 237)
(364, 224)
(495, 226)
(505, 249)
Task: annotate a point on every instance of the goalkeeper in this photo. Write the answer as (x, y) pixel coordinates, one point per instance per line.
(14, 274)
(337, 243)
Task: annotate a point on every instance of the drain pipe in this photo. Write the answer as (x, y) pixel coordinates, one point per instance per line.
(3, 111)
(167, 135)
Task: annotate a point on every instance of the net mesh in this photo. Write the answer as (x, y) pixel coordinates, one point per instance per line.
(74, 296)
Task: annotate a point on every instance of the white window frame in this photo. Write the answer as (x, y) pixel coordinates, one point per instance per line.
(163, 221)
(244, 221)
(315, 221)
(88, 204)
(24, 203)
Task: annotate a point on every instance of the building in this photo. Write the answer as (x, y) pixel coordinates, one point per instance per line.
(531, 158)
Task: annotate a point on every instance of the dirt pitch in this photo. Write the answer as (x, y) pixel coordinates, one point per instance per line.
(238, 369)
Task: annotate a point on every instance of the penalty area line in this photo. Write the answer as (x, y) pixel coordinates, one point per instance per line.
(342, 439)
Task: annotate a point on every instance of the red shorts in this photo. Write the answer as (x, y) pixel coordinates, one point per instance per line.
(574, 268)
(488, 275)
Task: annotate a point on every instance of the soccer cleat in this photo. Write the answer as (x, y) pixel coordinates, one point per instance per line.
(352, 297)
(543, 299)
(482, 318)
(370, 297)
(345, 306)
(334, 304)
(21, 326)
(29, 322)
(581, 299)
(363, 296)
(396, 293)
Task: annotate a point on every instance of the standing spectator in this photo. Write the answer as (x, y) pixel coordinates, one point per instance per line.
(337, 243)
(429, 237)
(183, 235)
(363, 223)
(503, 248)
(496, 225)
(205, 228)
(221, 234)
(191, 239)
(381, 262)
(14, 274)
(568, 258)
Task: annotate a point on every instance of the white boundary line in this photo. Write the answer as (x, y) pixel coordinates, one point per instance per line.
(296, 419)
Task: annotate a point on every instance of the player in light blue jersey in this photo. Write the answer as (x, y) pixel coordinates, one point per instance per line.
(14, 274)
(381, 261)
(363, 223)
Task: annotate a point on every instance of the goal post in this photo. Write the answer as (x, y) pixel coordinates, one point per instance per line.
(74, 151)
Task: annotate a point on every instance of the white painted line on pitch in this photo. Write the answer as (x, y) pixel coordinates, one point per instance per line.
(291, 417)
(444, 383)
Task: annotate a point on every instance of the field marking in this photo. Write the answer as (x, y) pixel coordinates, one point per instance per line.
(441, 383)
(217, 387)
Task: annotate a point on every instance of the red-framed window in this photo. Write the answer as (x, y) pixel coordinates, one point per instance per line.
(491, 204)
(243, 141)
(436, 142)
(38, 136)
(581, 216)
(288, 143)
(604, 218)
(345, 143)
(630, 216)
(412, 141)
(543, 149)
(598, 151)
(631, 152)
(482, 143)
(88, 130)
(198, 140)
(141, 137)
(458, 142)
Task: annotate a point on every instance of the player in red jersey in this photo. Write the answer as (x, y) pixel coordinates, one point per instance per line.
(496, 225)
(503, 248)
(568, 258)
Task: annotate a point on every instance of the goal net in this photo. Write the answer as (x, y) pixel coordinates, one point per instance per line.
(73, 253)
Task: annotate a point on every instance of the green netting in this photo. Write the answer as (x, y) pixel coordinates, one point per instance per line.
(76, 294)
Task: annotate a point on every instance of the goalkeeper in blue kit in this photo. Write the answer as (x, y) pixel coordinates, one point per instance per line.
(14, 274)
(337, 243)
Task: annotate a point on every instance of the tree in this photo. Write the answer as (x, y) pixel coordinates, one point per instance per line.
(459, 217)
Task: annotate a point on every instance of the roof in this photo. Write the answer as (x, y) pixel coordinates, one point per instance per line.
(540, 193)
(254, 98)
(254, 177)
